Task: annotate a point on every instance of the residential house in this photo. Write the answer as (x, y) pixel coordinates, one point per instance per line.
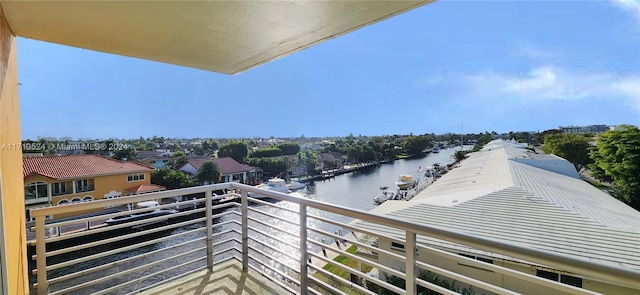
(60, 180)
(157, 163)
(159, 153)
(231, 170)
(584, 129)
(312, 146)
(331, 160)
(295, 167)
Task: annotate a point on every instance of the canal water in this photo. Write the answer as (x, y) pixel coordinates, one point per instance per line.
(357, 189)
(353, 190)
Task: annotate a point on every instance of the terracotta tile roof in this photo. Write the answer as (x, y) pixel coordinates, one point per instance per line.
(75, 166)
(143, 188)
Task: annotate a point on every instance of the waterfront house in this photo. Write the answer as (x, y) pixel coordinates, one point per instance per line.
(231, 170)
(331, 160)
(61, 180)
(507, 193)
(157, 163)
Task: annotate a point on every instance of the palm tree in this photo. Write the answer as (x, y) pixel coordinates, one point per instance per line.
(209, 172)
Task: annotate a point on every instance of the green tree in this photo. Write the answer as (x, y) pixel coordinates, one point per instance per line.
(236, 149)
(460, 155)
(266, 152)
(616, 159)
(414, 145)
(179, 159)
(289, 148)
(209, 172)
(171, 179)
(309, 158)
(573, 147)
(198, 150)
(270, 166)
(121, 154)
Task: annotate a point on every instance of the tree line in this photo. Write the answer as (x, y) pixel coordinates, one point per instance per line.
(614, 159)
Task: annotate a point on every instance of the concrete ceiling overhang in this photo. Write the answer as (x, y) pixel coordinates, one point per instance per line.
(221, 36)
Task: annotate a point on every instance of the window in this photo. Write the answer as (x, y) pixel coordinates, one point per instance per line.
(76, 200)
(485, 260)
(237, 177)
(84, 185)
(63, 202)
(571, 280)
(135, 177)
(87, 199)
(36, 190)
(61, 188)
(397, 246)
(547, 275)
(562, 278)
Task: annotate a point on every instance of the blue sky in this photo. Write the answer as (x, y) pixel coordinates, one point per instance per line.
(490, 65)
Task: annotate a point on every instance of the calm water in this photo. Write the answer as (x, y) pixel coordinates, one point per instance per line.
(354, 190)
(357, 189)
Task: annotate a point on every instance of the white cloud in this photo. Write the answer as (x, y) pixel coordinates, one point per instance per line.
(630, 5)
(549, 83)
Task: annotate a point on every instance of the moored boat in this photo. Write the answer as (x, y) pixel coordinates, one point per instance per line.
(141, 216)
(295, 185)
(273, 184)
(385, 196)
(405, 182)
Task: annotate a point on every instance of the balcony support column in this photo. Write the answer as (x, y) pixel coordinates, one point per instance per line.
(209, 224)
(304, 255)
(244, 201)
(41, 256)
(411, 271)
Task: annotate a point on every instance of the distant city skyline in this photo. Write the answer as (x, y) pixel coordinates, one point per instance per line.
(490, 65)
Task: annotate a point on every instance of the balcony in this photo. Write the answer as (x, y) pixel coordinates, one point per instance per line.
(230, 243)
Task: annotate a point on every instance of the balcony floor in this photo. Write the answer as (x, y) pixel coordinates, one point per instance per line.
(225, 278)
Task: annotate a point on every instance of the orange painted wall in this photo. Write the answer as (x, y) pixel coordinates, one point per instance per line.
(102, 185)
(12, 196)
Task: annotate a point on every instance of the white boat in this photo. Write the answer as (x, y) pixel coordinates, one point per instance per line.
(295, 185)
(273, 184)
(405, 182)
(385, 196)
(430, 172)
(141, 216)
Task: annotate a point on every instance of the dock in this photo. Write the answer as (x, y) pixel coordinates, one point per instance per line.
(330, 173)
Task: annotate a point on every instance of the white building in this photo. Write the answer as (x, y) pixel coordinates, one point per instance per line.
(507, 193)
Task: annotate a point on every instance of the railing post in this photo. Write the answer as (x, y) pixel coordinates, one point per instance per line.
(209, 224)
(244, 201)
(41, 256)
(304, 280)
(411, 273)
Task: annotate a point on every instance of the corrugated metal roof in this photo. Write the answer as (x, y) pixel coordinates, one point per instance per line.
(533, 203)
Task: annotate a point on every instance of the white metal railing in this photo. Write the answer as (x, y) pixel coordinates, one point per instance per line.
(285, 240)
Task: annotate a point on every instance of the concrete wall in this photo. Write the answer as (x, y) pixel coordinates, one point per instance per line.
(12, 187)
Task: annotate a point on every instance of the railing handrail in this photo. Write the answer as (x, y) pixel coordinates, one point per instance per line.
(596, 270)
(100, 204)
(592, 269)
